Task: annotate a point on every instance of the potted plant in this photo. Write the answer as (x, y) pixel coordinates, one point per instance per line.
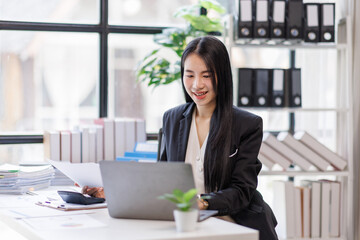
(185, 215)
(162, 65)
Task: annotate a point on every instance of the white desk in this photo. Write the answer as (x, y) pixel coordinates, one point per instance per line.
(212, 228)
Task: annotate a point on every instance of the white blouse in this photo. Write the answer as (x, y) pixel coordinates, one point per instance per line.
(195, 155)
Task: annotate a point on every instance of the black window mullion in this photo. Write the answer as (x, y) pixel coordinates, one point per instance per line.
(103, 102)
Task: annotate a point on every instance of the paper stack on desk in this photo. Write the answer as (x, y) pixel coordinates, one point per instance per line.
(21, 179)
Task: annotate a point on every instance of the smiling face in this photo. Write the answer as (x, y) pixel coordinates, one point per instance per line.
(197, 80)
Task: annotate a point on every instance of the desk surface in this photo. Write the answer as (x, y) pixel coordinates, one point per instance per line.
(111, 228)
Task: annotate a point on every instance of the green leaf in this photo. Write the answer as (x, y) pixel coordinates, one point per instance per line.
(178, 194)
(183, 206)
(190, 195)
(212, 5)
(169, 197)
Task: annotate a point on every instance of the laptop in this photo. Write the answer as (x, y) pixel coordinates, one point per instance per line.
(132, 188)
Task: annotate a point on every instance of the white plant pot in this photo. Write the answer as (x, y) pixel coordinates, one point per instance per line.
(186, 221)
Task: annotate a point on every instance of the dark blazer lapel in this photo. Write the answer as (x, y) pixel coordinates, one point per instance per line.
(184, 130)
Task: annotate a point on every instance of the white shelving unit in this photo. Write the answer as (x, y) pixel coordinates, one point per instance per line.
(343, 111)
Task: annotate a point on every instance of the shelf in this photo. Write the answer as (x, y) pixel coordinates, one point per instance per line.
(301, 173)
(286, 44)
(270, 109)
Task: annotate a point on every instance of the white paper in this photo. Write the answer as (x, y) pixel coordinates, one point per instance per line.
(245, 10)
(84, 174)
(328, 15)
(278, 80)
(279, 12)
(262, 11)
(63, 222)
(312, 16)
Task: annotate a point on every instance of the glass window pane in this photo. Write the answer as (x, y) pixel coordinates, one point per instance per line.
(21, 153)
(146, 12)
(54, 11)
(127, 98)
(48, 80)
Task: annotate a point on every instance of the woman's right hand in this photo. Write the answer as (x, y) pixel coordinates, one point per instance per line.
(94, 191)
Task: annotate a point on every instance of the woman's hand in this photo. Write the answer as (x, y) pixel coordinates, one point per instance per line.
(202, 204)
(94, 191)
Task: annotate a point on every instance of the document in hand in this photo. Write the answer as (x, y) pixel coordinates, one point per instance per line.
(84, 174)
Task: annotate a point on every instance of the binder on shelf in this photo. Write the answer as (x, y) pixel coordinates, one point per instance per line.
(120, 137)
(277, 25)
(293, 87)
(261, 23)
(130, 134)
(335, 209)
(295, 23)
(261, 87)
(85, 144)
(277, 88)
(109, 138)
(99, 143)
(320, 149)
(52, 145)
(298, 212)
(92, 145)
(312, 25)
(245, 87)
(306, 203)
(325, 209)
(75, 146)
(287, 152)
(284, 208)
(65, 146)
(274, 156)
(140, 130)
(303, 150)
(245, 25)
(327, 22)
(315, 187)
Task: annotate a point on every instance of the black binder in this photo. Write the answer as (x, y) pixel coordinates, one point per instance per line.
(327, 22)
(262, 88)
(312, 22)
(277, 87)
(245, 87)
(261, 24)
(246, 13)
(277, 19)
(293, 87)
(294, 20)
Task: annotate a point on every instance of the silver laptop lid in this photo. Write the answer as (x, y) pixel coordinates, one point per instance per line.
(132, 188)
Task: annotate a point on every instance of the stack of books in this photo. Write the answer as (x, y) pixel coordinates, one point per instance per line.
(105, 139)
(21, 179)
(310, 210)
(301, 150)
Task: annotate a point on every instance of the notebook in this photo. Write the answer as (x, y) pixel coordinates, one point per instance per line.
(132, 188)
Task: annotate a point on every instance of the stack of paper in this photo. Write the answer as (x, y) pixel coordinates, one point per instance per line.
(20, 179)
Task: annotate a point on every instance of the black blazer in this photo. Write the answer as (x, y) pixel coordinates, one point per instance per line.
(240, 199)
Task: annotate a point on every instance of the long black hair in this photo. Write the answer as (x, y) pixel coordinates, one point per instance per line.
(216, 160)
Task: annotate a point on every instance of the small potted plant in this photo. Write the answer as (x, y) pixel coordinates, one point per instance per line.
(185, 215)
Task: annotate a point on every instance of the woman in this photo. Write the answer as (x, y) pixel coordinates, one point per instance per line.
(220, 141)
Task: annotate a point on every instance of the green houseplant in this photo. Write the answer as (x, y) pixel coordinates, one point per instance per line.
(162, 65)
(185, 215)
